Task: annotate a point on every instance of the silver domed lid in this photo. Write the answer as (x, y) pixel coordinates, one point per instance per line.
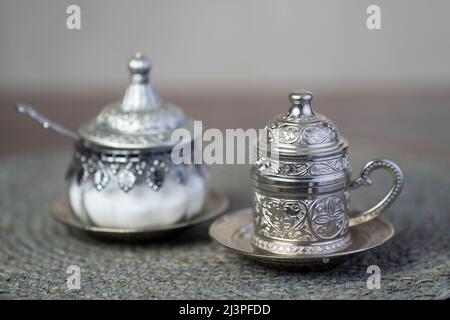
(301, 131)
(141, 120)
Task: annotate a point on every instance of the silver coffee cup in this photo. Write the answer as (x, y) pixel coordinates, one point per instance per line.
(302, 181)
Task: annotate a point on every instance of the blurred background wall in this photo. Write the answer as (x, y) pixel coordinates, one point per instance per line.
(230, 63)
(215, 43)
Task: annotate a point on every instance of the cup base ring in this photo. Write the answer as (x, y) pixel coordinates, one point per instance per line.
(289, 248)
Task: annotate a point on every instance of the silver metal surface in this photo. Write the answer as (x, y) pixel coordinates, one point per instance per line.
(301, 131)
(386, 202)
(301, 187)
(46, 123)
(215, 204)
(235, 231)
(141, 120)
(285, 224)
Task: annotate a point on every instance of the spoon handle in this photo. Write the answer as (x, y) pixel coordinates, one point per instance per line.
(46, 123)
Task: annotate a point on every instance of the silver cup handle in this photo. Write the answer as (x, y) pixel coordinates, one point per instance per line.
(386, 202)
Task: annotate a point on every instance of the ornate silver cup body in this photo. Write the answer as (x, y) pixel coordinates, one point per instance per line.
(302, 179)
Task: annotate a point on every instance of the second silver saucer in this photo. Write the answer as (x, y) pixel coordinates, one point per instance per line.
(216, 203)
(235, 230)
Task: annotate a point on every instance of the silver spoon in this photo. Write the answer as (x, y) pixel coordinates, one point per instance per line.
(46, 123)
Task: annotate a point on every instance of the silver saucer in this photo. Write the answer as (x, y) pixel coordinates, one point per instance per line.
(216, 203)
(234, 232)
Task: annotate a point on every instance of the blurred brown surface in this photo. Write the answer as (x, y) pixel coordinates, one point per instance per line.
(416, 120)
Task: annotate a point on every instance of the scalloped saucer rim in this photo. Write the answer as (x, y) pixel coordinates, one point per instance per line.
(234, 230)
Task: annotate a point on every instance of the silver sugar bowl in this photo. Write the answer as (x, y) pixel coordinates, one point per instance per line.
(122, 174)
(302, 179)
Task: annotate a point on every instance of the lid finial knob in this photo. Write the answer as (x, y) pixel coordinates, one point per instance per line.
(300, 103)
(140, 95)
(139, 67)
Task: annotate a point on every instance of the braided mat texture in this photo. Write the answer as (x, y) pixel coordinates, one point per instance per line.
(35, 251)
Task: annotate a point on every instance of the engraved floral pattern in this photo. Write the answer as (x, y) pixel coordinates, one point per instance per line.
(134, 129)
(303, 169)
(305, 220)
(284, 219)
(328, 217)
(307, 135)
(100, 169)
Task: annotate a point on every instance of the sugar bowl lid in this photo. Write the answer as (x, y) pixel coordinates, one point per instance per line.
(301, 131)
(141, 120)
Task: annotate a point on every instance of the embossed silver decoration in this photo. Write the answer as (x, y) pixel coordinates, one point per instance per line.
(302, 179)
(129, 142)
(141, 120)
(303, 168)
(310, 135)
(100, 168)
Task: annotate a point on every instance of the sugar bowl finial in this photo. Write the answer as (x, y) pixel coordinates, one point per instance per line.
(139, 67)
(300, 104)
(140, 94)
